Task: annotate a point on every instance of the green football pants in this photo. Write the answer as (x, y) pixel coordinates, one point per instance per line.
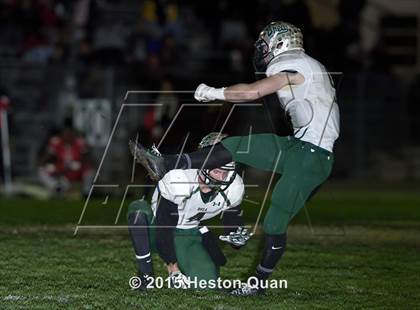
(193, 258)
(303, 167)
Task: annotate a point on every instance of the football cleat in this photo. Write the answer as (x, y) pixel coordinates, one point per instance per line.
(151, 159)
(179, 280)
(248, 290)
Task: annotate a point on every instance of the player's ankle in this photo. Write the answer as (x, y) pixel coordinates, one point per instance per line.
(262, 273)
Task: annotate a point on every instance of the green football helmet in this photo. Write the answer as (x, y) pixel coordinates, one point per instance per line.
(208, 141)
(274, 39)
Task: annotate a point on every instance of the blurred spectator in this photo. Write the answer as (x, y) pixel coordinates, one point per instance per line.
(151, 26)
(159, 34)
(36, 48)
(174, 26)
(66, 101)
(65, 162)
(40, 25)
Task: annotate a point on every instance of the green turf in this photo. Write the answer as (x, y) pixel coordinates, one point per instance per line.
(353, 249)
(330, 206)
(52, 270)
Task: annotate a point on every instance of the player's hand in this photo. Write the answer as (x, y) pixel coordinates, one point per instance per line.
(204, 93)
(237, 238)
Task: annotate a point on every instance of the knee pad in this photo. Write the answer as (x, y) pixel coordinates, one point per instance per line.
(137, 218)
(142, 206)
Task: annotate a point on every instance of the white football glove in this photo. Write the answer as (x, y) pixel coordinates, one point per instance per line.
(179, 280)
(238, 237)
(205, 93)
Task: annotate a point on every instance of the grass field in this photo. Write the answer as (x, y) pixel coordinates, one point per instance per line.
(350, 250)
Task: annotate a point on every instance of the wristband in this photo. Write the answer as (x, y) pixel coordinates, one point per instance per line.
(218, 93)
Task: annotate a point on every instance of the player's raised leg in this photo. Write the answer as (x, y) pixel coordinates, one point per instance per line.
(261, 151)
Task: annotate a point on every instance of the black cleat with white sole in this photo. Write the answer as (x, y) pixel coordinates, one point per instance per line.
(151, 159)
(248, 290)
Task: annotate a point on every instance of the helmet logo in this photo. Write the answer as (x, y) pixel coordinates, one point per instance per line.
(276, 28)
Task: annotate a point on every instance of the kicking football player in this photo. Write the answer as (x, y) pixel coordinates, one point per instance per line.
(304, 160)
(171, 225)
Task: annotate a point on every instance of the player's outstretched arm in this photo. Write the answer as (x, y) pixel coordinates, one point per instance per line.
(235, 234)
(261, 88)
(248, 92)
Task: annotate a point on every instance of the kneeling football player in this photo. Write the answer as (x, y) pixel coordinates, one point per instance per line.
(171, 225)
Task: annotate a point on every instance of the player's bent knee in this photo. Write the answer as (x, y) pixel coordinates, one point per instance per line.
(276, 224)
(141, 206)
(137, 219)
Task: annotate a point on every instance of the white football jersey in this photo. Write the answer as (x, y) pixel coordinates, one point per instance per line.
(181, 187)
(311, 105)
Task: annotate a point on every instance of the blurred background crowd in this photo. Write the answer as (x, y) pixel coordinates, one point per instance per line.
(66, 67)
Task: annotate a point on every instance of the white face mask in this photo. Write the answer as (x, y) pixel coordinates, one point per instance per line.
(216, 183)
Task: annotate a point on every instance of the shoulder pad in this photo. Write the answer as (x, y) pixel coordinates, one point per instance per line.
(287, 62)
(176, 185)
